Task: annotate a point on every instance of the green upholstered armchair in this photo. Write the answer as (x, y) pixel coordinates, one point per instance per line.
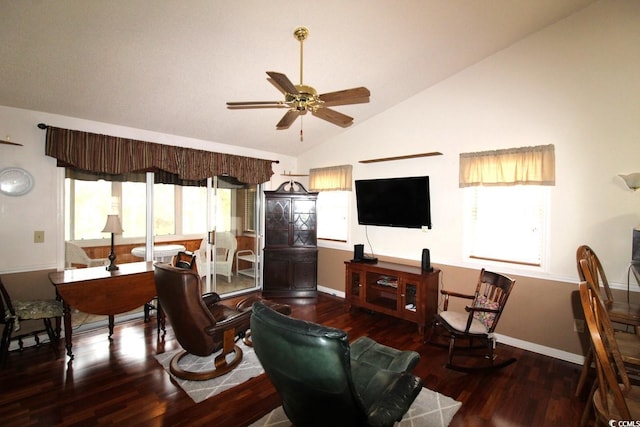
(323, 381)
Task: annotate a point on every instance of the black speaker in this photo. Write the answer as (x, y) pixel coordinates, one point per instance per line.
(358, 252)
(426, 260)
(635, 249)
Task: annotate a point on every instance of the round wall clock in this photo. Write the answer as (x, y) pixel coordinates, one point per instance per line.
(15, 181)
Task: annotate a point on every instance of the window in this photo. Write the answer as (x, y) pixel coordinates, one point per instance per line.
(194, 210)
(134, 208)
(249, 209)
(333, 185)
(332, 208)
(87, 205)
(507, 223)
(177, 210)
(224, 211)
(507, 202)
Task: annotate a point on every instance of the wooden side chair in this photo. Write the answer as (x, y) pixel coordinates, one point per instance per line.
(590, 269)
(614, 397)
(628, 345)
(477, 323)
(622, 312)
(13, 312)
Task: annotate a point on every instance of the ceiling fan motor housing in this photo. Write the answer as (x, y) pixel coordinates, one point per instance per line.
(306, 99)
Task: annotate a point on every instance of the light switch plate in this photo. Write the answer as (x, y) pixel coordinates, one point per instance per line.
(38, 236)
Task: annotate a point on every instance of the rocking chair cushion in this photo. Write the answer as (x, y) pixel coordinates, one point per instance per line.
(485, 317)
(458, 321)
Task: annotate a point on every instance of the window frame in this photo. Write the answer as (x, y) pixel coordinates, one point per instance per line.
(470, 193)
(336, 240)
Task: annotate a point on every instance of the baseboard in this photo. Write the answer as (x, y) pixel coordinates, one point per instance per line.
(331, 291)
(541, 349)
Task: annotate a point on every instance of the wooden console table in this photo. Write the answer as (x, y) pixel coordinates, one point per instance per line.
(395, 289)
(98, 291)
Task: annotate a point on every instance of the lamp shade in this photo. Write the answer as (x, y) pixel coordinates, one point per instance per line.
(632, 180)
(113, 225)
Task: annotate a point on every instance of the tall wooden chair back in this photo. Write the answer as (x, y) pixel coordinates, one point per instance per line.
(619, 311)
(614, 398)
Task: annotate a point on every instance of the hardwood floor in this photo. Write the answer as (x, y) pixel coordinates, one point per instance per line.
(120, 382)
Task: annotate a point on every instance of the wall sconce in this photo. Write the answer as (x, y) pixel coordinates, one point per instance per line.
(632, 180)
(112, 226)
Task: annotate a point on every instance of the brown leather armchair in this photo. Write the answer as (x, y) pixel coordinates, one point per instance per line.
(201, 323)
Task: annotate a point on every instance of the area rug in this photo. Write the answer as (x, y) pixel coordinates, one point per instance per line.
(429, 409)
(201, 390)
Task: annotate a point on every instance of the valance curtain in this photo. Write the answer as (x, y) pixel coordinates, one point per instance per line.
(332, 178)
(514, 166)
(114, 156)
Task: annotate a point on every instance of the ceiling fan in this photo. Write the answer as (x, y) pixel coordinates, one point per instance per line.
(300, 98)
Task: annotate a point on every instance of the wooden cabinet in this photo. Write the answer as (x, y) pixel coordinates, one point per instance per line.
(290, 252)
(397, 290)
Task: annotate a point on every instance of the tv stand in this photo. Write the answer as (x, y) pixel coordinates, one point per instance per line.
(397, 290)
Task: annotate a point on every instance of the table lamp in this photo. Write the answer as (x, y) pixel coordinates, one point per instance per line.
(112, 226)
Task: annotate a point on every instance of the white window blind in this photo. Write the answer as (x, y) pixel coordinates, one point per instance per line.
(334, 185)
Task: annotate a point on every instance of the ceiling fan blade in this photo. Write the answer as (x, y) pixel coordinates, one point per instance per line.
(2, 141)
(255, 104)
(282, 82)
(288, 119)
(332, 116)
(358, 95)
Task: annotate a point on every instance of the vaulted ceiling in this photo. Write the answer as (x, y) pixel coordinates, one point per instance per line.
(170, 66)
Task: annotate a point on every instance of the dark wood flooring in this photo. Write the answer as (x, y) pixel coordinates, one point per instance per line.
(120, 383)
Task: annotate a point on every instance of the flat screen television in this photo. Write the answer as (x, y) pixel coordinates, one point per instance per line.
(394, 202)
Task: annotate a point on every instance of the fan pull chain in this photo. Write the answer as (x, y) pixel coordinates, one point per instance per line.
(301, 136)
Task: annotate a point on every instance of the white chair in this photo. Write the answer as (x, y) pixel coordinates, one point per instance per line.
(74, 254)
(226, 246)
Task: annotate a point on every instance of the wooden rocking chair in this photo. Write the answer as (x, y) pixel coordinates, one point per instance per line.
(478, 323)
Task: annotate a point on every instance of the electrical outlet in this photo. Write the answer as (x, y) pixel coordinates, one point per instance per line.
(38, 236)
(578, 325)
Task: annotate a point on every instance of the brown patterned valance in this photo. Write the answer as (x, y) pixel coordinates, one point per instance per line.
(104, 154)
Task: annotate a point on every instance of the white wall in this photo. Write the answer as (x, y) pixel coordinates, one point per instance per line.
(41, 209)
(575, 84)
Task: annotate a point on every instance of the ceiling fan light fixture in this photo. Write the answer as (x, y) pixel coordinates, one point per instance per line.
(300, 98)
